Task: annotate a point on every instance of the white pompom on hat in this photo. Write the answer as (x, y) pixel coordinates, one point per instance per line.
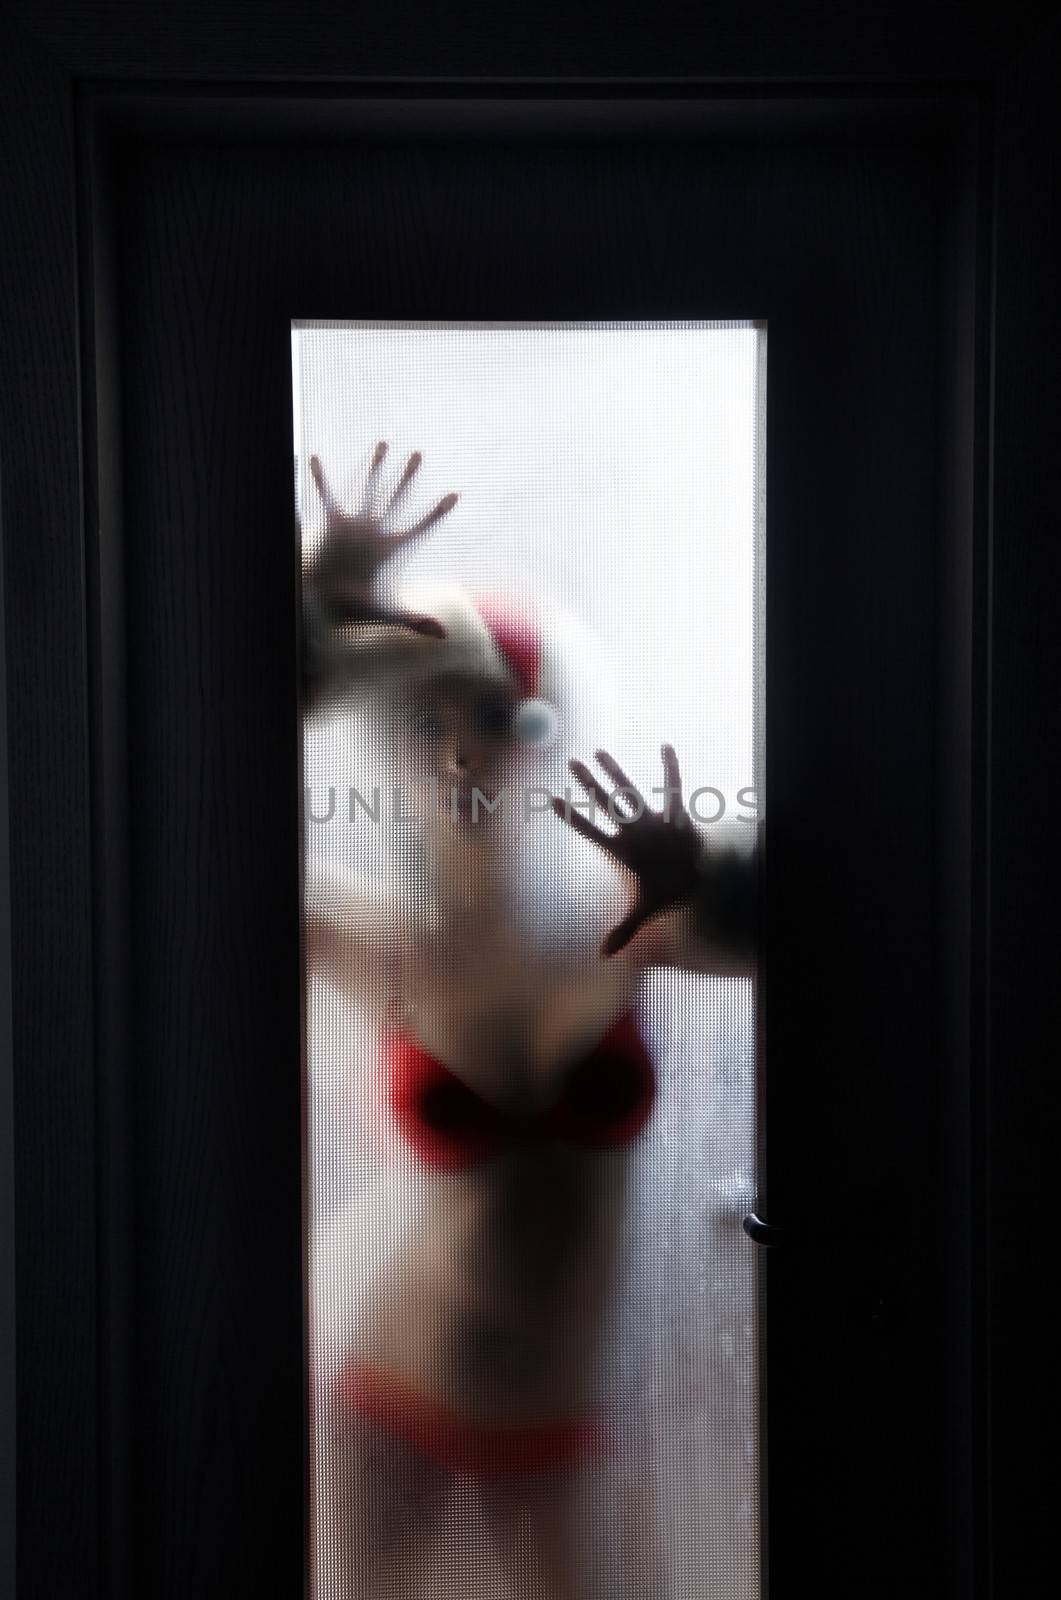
(499, 637)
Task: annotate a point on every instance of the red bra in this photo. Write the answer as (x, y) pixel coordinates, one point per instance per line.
(607, 1098)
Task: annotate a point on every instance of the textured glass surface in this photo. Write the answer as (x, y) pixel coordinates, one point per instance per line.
(533, 1353)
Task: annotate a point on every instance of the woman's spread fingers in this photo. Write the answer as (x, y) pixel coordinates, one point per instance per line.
(412, 467)
(581, 824)
(443, 509)
(593, 787)
(619, 778)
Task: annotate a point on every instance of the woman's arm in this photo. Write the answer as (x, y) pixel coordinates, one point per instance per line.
(697, 896)
(350, 931)
(351, 635)
(715, 930)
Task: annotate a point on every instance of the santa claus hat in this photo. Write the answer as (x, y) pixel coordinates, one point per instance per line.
(500, 637)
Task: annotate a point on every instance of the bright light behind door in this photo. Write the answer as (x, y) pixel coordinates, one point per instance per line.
(610, 482)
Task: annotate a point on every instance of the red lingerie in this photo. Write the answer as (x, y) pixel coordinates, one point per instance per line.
(465, 1444)
(606, 1100)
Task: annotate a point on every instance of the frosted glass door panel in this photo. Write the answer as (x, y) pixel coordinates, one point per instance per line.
(533, 1325)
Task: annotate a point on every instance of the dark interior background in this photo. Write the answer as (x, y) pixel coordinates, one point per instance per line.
(153, 769)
